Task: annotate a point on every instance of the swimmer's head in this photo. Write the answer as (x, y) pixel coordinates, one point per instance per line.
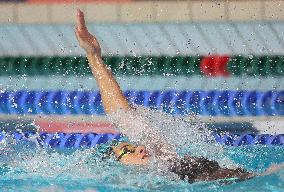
(127, 153)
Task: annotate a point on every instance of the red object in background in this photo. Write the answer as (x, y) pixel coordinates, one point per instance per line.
(74, 127)
(73, 1)
(215, 65)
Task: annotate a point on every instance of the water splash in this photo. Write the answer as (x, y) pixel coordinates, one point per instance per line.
(164, 135)
(26, 165)
(24, 159)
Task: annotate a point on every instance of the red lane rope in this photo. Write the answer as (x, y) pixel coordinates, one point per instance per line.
(75, 127)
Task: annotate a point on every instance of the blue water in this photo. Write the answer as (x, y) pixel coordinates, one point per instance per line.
(26, 167)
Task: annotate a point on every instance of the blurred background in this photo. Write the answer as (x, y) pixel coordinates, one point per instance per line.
(221, 60)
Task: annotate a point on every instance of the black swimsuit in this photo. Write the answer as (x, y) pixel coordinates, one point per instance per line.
(197, 168)
(193, 167)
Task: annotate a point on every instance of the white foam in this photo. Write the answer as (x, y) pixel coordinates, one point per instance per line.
(165, 135)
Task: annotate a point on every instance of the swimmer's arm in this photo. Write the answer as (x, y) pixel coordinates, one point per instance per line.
(112, 96)
(243, 174)
(273, 168)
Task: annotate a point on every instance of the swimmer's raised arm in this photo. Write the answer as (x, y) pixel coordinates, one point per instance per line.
(112, 96)
(135, 125)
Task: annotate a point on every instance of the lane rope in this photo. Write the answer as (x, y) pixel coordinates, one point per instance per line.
(90, 140)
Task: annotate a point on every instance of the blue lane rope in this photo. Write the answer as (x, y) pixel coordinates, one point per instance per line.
(90, 140)
(210, 103)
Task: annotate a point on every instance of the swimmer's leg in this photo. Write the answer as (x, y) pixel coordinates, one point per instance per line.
(112, 96)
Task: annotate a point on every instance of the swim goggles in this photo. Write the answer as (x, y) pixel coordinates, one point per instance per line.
(128, 149)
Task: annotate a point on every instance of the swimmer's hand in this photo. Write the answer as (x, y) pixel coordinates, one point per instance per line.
(86, 40)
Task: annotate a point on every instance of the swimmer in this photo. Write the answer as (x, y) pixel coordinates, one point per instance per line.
(115, 104)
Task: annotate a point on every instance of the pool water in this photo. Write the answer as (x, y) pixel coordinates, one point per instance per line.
(27, 167)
